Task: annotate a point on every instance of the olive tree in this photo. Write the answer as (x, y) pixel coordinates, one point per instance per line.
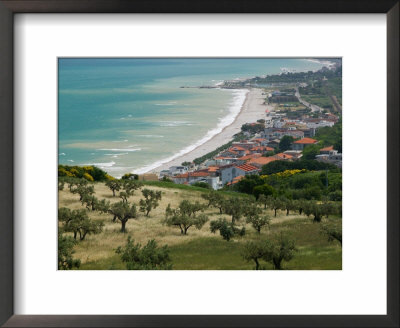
(114, 185)
(215, 199)
(278, 248)
(150, 201)
(148, 257)
(317, 210)
(235, 207)
(129, 186)
(254, 251)
(288, 205)
(72, 181)
(83, 189)
(65, 252)
(90, 201)
(226, 229)
(185, 216)
(274, 203)
(61, 183)
(263, 200)
(333, 232)
(274, 250)
(78, 222)
(123, 211)
(258, 221)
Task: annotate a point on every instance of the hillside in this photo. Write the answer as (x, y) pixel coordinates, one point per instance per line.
(199, 249)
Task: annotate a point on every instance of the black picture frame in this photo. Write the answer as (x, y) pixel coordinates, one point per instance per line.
(10, 7)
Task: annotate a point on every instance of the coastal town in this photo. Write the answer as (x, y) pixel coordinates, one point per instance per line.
(288, 119)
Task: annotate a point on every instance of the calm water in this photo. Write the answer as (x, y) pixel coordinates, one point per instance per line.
(129, 115)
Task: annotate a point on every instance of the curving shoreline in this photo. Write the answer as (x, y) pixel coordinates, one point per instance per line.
(252, 110)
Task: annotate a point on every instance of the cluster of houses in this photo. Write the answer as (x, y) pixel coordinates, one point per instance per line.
(246, 157)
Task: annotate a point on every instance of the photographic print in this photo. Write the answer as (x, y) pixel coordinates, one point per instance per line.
(199, 164)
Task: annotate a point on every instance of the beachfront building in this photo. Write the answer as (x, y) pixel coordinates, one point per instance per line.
(296, 134)
(260, 141)
(308, 133)
(209, 175)
(244, 144)
(230, 172)
(328, 151)
(240, 151)
(315, 123)
(335, 159)
(175, 170)
(282, 97)
(302, 143)
(164, 173)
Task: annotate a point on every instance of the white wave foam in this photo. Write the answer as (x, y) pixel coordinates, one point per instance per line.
(120, 149)
(175, 123)
(150, 136)
(101, 165)
(116, 155)
(326, 62)
(239, 96)
(62, 154)
(70, 160)
(171, 103)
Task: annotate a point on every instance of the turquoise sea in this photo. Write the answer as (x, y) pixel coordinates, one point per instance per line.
(130, 115)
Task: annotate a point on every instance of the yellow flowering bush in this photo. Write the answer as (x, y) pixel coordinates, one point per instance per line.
(88, 177)
(109, 177)
(288, 173)
(64, 173)
(74, 172)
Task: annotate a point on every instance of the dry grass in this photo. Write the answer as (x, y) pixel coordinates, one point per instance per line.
(142, 229)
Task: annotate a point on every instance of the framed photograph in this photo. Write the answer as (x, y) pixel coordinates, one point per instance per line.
(163, 163)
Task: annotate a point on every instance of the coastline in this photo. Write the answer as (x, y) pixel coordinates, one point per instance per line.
(251, 110)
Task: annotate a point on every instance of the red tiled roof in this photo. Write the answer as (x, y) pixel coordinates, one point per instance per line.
(235, 180)
(247, 157)
(236, 148)
(229, 151)
(247, 167)
(262, 160)
(198, 174)
(257, 148)
(213, 168)
(180, 176)
(306, 141)
(329, 148)
(283, 156)
(262, 148)
(193, 174)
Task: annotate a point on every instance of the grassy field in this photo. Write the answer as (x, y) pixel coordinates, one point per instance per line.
(200, 249)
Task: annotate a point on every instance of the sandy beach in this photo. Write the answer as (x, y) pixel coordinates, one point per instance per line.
(252, 110)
